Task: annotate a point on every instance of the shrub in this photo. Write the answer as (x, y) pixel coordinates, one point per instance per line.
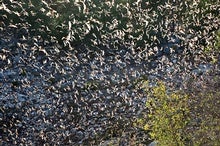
(183, 118)
(204, 112)
(168, 116)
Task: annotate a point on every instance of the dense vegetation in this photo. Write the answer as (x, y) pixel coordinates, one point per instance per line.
(188, 28)
(183, 118)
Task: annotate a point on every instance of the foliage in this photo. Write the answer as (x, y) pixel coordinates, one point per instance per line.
(204, 107)
(207, 121)
(183, 118)
(168, 116)
(115, 23)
